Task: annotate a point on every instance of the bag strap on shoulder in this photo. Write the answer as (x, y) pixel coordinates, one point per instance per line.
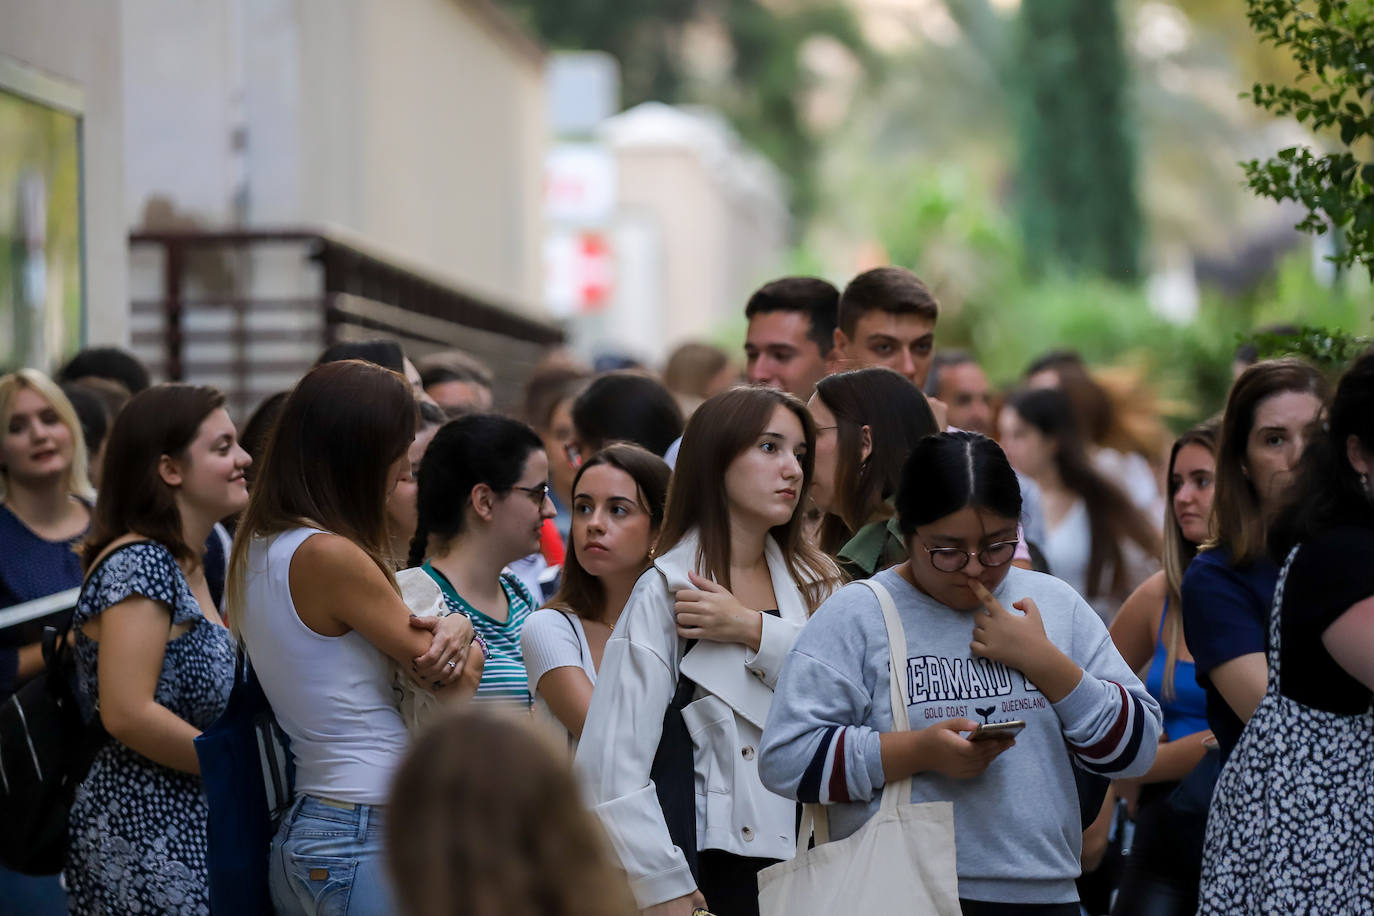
(815, 818)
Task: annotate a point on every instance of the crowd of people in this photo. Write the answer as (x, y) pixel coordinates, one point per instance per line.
(613, 650)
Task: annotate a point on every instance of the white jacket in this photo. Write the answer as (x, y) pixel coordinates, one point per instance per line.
(637, 679)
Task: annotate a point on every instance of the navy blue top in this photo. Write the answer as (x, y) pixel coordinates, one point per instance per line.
(1225, 616)
(1186, 713)
(31, 567)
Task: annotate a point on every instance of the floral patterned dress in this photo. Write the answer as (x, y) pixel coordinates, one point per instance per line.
(1291, 827)
(137, 828)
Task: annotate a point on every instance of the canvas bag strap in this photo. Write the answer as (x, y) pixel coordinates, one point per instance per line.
(899, 792)
(814, 817)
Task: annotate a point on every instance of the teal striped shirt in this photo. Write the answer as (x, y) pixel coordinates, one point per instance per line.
(504, 680)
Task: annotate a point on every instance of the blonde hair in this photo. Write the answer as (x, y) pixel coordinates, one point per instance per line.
(78, 481)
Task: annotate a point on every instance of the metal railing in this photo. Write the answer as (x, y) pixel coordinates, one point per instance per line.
(249, 310)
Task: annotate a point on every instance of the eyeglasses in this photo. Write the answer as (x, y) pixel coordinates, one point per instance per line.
(537, 493)
(952, 559)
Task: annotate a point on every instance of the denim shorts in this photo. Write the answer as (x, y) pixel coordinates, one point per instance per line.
(328, 860)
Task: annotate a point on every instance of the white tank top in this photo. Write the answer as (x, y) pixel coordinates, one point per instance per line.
(332, 694)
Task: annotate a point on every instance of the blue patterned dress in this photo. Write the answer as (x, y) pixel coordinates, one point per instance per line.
(137, 828)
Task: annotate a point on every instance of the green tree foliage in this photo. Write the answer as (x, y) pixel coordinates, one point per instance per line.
(768, 83)
(644, 35)
(1332, 350)
(1076, 170)
(1333, 45)
(765, 94)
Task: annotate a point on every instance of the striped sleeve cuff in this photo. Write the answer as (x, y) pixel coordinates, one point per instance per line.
(1118, 747)
(825, 780)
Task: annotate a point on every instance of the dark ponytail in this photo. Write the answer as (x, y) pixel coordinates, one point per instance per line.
(475, 449)
(950, 471)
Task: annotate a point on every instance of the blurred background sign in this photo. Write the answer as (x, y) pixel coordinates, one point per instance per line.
(579, 184)
(582, 90)
(578, 272)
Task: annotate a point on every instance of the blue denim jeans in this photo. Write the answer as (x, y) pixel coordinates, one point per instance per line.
(328, 860)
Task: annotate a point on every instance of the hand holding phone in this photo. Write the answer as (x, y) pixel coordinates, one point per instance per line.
(997, 730)
(944, 749)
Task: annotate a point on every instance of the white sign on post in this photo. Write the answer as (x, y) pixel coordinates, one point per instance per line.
(579, 184)
(578, 272)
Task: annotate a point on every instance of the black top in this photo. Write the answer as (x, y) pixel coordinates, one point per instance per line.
(1330, 573)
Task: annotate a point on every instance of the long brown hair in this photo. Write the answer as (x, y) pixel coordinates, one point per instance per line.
(580, 591)
(1112, 518)
(897, 416)
(501, 832)
(161, 420)
(1178, 550)
(325, 463)
(722, 428)
(1238, 520)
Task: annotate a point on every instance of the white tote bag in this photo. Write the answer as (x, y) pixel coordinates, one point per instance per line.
(900, 862)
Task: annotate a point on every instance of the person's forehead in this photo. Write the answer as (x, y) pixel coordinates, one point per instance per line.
(785, 423)
(968, 375)
(216, 424)
(1193, 456)
(1286, 408)
(606, 481)
(780, 327)
(905, 327)
(28, 400)
(969, 524)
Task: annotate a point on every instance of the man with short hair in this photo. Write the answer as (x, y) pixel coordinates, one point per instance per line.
(957, 380)
(457, 382)
(887, 318)
(791, 331)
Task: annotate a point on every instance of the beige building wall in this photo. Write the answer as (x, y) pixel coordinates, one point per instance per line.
(71, 41)
(453, 141)
(411, 127)
(708, 221)
(693, 219)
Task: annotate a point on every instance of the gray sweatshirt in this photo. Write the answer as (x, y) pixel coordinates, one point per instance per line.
(1017, 825)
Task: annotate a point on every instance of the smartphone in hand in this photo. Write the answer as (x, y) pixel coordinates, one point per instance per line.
(997, 730)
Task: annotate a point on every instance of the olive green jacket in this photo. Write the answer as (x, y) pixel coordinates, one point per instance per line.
(873, 548)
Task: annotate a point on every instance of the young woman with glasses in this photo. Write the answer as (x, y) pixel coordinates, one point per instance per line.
(971, 661)
(483, 498)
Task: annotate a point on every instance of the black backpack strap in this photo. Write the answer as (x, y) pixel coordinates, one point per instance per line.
(685, 685)
(581, 656)
(674, 772)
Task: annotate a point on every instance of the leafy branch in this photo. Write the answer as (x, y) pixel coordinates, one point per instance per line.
(1331, 350)
(1332, 42)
